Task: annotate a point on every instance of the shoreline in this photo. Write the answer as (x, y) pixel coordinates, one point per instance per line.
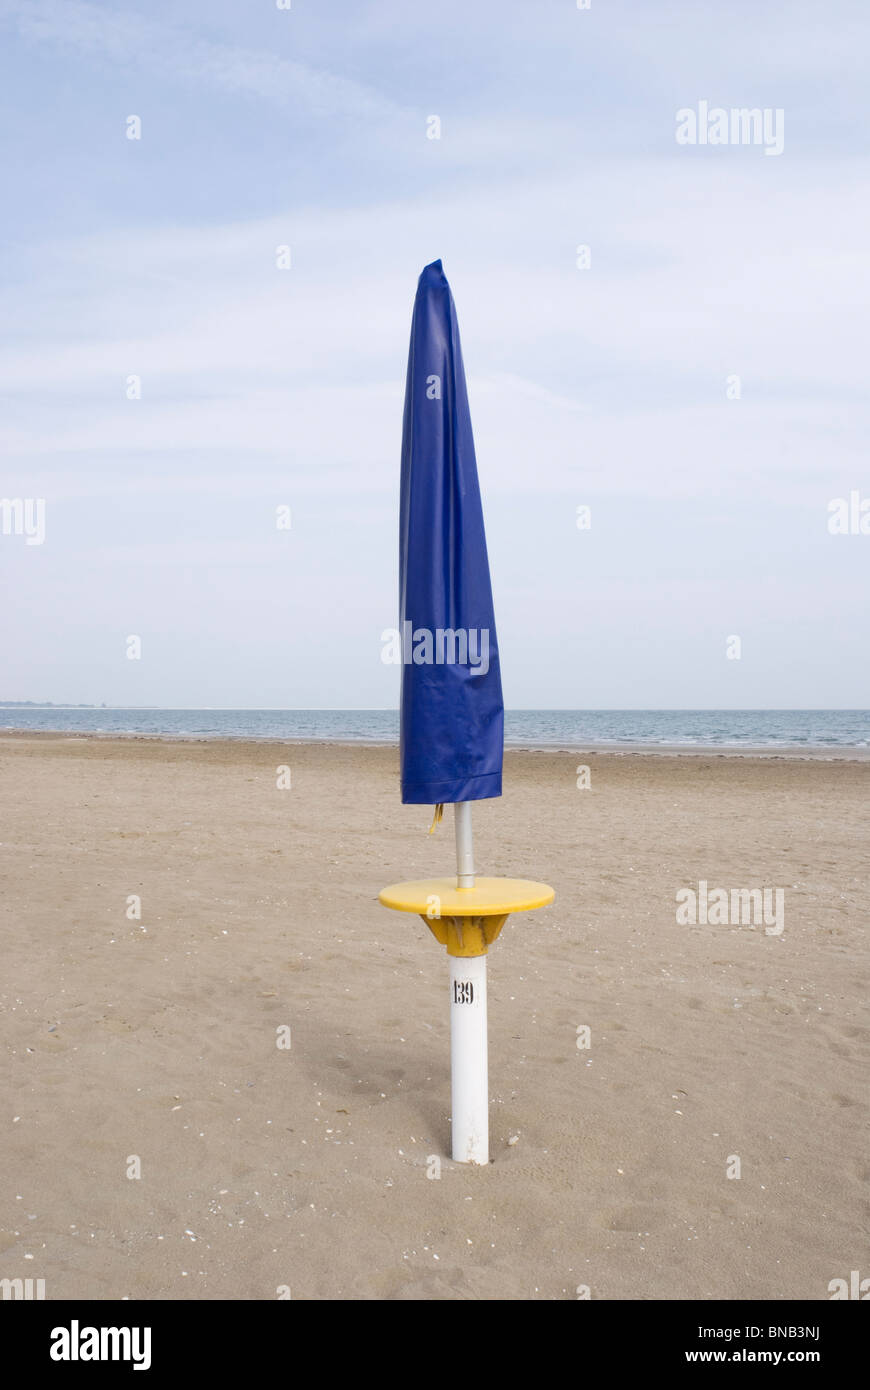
(789, 752)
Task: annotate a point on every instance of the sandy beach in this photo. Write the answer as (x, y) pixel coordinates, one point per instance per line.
(150, 1044)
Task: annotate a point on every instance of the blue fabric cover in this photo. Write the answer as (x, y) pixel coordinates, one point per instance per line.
(452, 713)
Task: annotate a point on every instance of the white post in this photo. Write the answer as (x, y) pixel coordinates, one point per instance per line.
(469, 1076)
(469, 1071)
(464, 847)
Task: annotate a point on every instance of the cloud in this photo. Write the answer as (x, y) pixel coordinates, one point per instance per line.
(126, 39)
(610, 380)
(603, 386)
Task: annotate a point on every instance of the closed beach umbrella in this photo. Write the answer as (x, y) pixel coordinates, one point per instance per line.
(452, 714)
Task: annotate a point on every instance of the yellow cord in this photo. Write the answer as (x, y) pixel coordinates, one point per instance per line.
(439, 812)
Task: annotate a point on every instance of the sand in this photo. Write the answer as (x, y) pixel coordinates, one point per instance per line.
(266, 1169)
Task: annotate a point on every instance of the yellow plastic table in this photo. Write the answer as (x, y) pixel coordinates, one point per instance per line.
(466, 920)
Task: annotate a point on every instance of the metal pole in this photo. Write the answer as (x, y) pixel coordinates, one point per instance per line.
(464, 845)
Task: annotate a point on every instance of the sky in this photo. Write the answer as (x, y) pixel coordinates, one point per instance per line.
(697, 378)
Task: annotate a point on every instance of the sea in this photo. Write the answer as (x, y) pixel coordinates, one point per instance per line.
(786, 730)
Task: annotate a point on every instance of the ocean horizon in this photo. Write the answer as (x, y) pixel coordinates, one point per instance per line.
(736, 729)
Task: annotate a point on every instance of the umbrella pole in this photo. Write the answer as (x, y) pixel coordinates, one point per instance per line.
(469, 1070)
(464, 846)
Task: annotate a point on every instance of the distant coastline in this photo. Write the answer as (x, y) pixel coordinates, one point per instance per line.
(785, 732)
(43, 704)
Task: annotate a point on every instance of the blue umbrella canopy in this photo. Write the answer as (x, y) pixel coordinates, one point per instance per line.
(452, 713)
